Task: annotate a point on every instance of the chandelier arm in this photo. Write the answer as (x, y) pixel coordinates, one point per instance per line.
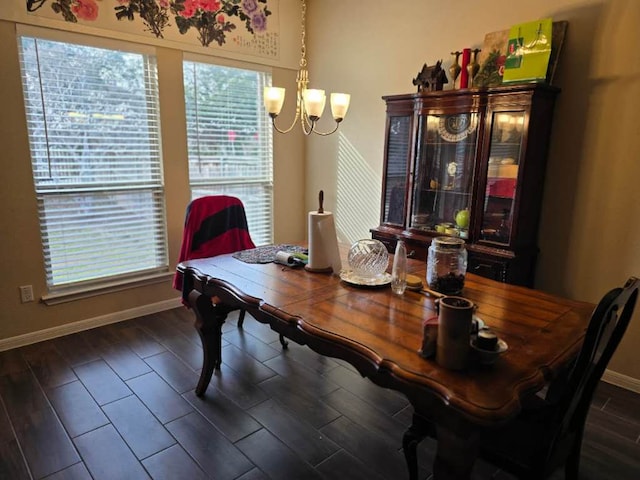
(306, 121)
(324, 134)
(307, 126)
(287, 130)
(301, 81)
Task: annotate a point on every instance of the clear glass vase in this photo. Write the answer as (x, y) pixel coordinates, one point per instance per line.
(399, 270)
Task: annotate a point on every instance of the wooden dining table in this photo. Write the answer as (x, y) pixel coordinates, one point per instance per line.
(380, 334)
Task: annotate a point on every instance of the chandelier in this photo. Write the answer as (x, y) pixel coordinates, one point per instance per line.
(309, 102)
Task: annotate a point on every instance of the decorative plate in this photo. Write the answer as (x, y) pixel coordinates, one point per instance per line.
(378, 281)
(454, 128)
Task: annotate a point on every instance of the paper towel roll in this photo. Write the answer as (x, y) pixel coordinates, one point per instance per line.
(285, 258)
(324, 254)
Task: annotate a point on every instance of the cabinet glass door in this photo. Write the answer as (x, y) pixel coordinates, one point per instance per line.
(398, 143)
(443, 180)
(502, 176)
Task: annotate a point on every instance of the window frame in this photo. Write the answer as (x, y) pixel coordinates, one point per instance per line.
(213, 186)
(67, 291)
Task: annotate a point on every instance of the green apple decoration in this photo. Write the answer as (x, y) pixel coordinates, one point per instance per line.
(462, 218)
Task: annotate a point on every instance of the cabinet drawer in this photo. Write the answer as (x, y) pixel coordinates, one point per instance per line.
(389, 242)
(417, 250)
(488, 267)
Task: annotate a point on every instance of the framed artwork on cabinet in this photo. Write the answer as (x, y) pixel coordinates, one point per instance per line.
(494, 49)
(491, 59)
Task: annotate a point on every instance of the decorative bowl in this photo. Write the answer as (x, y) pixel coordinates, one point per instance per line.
(368, 258)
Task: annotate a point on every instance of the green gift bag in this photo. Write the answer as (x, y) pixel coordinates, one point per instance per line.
(528, 52)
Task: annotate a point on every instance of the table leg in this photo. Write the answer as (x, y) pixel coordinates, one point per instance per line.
(456, 454)
(418, 430)
(209, 320)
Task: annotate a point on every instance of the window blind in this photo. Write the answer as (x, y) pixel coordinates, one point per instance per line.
(93, 122)
(230, 141)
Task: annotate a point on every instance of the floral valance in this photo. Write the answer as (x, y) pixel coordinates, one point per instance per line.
(244, 26)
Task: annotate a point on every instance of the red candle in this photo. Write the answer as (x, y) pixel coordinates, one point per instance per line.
(464, 75)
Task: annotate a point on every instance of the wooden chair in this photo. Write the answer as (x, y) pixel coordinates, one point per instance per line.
(214, 225)
(548, 433)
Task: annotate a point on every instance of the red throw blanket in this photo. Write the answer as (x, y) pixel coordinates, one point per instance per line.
(214, 225)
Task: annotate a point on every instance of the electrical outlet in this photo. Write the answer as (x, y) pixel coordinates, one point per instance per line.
(26, 293)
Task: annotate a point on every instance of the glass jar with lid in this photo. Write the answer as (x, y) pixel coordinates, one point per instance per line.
(446, 265)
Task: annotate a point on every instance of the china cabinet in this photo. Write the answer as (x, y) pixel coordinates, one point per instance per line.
(468, 163)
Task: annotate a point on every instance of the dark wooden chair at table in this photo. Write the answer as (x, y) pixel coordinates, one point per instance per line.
(547, 433)
(214, 225)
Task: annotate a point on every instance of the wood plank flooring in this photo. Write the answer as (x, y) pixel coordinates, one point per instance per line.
(117, 402)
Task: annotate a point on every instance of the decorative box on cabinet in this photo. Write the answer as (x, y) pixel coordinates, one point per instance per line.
(480, 150)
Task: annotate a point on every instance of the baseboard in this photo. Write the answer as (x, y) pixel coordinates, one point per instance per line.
(622, 381)
(54, 332)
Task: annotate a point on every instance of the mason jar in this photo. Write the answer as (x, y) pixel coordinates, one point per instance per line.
(446, 265)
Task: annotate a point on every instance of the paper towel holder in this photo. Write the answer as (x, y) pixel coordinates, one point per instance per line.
(308, 267)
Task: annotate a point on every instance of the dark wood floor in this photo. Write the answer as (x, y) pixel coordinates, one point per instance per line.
(117, 402)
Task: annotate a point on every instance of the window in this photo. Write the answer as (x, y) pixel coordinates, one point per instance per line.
(230, 140)
(93, 124)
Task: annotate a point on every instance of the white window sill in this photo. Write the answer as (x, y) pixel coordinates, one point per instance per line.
(79, 293)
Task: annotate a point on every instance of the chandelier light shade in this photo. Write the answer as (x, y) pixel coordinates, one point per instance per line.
(309, 102)
(273, 100)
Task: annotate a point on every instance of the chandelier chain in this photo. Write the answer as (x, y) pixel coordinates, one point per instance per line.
(303, 47)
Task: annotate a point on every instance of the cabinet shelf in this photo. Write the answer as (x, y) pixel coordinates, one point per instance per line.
(505, 144)
(481, 124)
(444, 190)
(498, 197)
(446, 143)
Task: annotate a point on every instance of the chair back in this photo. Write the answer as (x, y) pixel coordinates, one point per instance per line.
(214, 225)
(608, 324)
